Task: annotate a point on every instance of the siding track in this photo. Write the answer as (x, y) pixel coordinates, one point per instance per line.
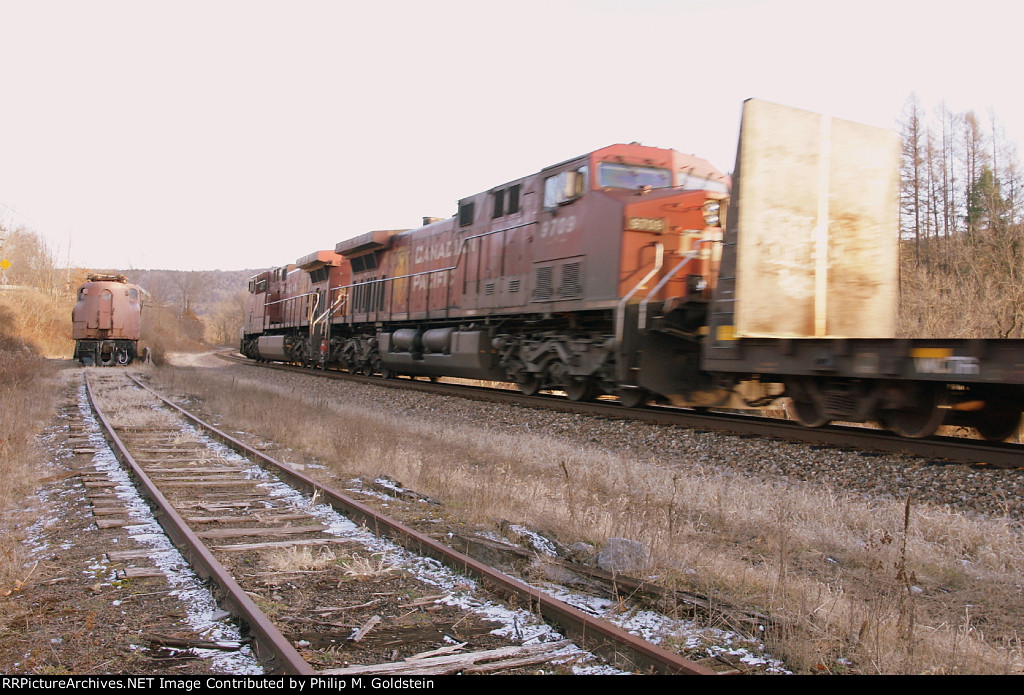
(222, 512)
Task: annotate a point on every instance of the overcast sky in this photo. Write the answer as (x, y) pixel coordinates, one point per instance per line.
(240, 134)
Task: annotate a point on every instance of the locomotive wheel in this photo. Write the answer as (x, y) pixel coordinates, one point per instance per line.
(581, 390)
(530, 385)
(380, 370)
(997, 422)
(632, 398)
(921, 418)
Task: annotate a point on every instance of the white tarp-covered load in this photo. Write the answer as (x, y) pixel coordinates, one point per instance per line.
(818, 223)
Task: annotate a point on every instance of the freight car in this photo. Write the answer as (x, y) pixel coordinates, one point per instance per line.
(613, 273)
(106, 320)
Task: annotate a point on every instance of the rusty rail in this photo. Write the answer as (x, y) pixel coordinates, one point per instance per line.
(602, 638)
(272, 648)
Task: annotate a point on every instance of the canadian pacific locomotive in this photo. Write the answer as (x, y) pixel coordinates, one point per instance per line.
(613, 274)
(106, 320)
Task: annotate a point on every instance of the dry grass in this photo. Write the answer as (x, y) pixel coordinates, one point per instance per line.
(867, 587)
(38, 319)
(299, 559)
(365, 568)
(27, 395)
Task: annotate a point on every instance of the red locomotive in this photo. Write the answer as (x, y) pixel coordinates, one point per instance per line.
(610, 274)
(529, 282)
(106, 320)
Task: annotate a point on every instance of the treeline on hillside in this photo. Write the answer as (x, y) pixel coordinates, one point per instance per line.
(962, 227)
(35, 305)
(209, 304)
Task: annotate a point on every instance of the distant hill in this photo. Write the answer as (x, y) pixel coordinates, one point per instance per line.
(200, 291)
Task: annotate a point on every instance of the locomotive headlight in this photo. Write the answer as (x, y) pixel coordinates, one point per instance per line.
(712, 213)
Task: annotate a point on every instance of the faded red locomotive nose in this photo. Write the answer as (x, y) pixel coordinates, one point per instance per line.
(106, 320)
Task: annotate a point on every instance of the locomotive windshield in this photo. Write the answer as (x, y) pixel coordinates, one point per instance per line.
(613, 175)
(692, 182)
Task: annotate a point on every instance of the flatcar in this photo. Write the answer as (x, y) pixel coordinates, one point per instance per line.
(107, 320)
(635, 272)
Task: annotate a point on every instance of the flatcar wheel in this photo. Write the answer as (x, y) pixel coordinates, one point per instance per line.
(921, 418)
(530, 386)
(581, 390)
(633, 398)
(997, 422)
(808, 414)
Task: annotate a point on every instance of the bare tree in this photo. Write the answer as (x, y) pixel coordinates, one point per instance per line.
(912, 170)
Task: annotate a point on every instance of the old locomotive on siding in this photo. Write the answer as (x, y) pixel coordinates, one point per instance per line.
(107, 320)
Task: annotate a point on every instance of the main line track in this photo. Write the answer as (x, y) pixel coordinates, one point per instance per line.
(166, 466)
(949, 449)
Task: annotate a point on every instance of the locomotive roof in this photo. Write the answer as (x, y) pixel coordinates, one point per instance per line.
(100, 277)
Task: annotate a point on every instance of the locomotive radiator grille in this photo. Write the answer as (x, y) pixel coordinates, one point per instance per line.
(570, 281)
(543, 285)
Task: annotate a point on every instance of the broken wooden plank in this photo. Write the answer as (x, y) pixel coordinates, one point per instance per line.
(60, 476)
(189, 643)
(341, 609)
(140, 572)
(261, 531)
(261, 518)
(441, 665)
(108, 511)
(119, 555)
(319, 623)
(509, 664)
(367, 626)
(241, 547)
(242, 482)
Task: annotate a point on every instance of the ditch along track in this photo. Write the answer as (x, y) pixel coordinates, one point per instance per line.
(949, 449)
(223, 511)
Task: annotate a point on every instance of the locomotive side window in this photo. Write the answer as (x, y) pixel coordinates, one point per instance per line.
(613, 175)
(513, 198)
(565, 187)
(511, 195)
(466, 213)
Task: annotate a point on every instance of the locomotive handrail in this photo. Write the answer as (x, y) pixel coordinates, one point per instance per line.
(642, 318)
(289, 299)
(620, 310)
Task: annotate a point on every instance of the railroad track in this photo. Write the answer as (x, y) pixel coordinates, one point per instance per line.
(340, 594)
(948, 449)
